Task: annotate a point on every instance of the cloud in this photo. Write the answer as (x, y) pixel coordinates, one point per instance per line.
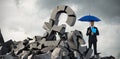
(107, 10)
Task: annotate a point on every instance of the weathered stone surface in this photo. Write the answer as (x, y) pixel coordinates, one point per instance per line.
(69, 11)
(51, 43)
(89, 53)
(54, 13)
(65, 57)
(82, 49)
(37, 38)
(77, 55)
(56, 53)
(59, 28)
(71, 20)
(63, 9)
(49, 48)
(47, 26)
(51, 36)
(43, 56)
(7, 57)
(33, 45)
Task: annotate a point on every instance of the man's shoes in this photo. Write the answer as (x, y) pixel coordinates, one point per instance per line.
(98, 53)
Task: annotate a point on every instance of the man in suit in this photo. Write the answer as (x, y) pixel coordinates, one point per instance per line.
(92, 32)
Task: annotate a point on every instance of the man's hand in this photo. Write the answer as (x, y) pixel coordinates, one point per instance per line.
(89, 31)
(92, 33)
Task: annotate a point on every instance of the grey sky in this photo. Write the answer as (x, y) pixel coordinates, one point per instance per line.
(22, 18)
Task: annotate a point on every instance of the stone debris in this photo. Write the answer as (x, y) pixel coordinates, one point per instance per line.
(69, 46)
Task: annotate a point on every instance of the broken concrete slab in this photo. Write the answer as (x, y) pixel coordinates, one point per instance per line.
(61, 8)
(43, 56)
(37, 38)
(51, 43)
(81, 41)
(82, 49)
(42, 41)
(7, 57)
(71, 40)
(56, 53)
(59, 28)
(79, 37)
(63, 44)
(49, 48)
(10, 57)
(69, 35)
(54, 13)
(77, 55)
(78, 33)
(45, 34)
(47, 26)
(65, 57)
(89, 53)
(69, 11)
(33, 45)
(56, 57)
(51, 36)
(71, 20)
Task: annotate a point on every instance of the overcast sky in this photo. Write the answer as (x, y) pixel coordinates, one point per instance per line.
(24, 18)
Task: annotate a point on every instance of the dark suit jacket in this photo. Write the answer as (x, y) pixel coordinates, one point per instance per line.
(92, 38)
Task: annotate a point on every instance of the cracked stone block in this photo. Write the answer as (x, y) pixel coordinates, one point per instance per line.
(77, 55)
(70, 34)
(71, 20)
(39, 46)
(51, 43)
(51, 22)
(8, 57)
(37, 38)
(69, 11)
(65, 57)
(59, 28)
(81, 41)
(64, 51)
(42, 41)
(49, 48)
(19, 45)
(89, 53)
(51, 36)
(45, 34)
(79, 36)
(78, 33)
(56, 53)
(56, 57)
(61, 8)
(72, 45)
(71, 42)
(63, 44)
(43, 56)
(33, 45)
(82, 49)
(54, 13)
(75, 40)
(47, 26)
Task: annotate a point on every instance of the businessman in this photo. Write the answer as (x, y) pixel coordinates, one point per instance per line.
(92, 33)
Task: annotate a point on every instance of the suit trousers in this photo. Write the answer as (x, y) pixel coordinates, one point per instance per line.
(94, 43)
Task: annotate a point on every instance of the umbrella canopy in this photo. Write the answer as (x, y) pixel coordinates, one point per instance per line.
(89, 18)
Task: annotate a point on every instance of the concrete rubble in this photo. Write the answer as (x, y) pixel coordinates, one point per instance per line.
(69, 46)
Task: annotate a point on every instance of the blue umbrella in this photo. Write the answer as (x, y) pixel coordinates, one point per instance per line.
(89, 18)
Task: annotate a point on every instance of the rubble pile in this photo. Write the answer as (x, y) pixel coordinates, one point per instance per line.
(69, 46)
